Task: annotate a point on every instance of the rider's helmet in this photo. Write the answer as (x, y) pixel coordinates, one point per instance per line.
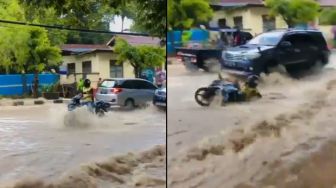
(252, 81)
(87, 83)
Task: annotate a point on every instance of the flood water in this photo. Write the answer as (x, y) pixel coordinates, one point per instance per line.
(248, 144)
(34, 142)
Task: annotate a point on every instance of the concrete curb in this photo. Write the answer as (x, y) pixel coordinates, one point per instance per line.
(32, 102)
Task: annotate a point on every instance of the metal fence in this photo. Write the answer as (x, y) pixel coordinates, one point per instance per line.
(20, 84)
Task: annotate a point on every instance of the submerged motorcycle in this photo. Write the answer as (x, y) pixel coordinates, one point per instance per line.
(229, 91)
(99, 107)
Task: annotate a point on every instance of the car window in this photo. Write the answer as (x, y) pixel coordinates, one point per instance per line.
(139, 84)
(108, 83)
(267, 39)
(301, 40)
(148, 85)
(320, 40)
(128, 84)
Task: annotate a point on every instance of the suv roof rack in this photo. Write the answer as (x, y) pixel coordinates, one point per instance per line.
(302, 29)
(296, 29)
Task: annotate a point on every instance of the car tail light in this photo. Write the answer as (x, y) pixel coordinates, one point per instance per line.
(179, 56)
(193, 60)
(116, 90)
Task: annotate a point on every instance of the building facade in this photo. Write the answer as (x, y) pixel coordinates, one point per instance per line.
(253, 16)
(98, 61)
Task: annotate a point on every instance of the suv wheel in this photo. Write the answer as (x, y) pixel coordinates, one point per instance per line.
(319, 62)
(129, 104)
(275, 68)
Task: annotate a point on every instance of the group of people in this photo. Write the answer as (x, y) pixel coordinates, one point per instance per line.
(159, 77)
(231, 39)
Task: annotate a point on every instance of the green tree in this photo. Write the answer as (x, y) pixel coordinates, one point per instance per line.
(140, 57)
(184, 14)
(41, 54)
(81, 14)
(150, 17)
(294, 11)
(124, 9)
(328, 16)
(22, 48)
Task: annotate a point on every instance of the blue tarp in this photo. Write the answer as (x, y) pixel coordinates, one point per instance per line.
(197, 35)
(13, 84)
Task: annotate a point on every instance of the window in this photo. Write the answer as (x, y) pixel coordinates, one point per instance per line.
(108, 83)
(222, 23)
(238, 22)
(71, 68)
(301, 41)
(86, 67)
(267, 39)
(139, 84)
(128, 84)
(116, 71)
(149, 86)
(268, 23)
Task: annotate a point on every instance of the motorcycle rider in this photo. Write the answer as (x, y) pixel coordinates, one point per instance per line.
(80, 85)
(87, 94)
(250, 90)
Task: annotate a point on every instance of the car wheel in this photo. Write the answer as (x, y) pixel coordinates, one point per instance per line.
(319, 63)
(275, 68)
(212, 65)
(129, 104)
(190, 67)
(292, 70)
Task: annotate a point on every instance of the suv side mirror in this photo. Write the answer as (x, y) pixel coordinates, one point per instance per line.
(285, 44)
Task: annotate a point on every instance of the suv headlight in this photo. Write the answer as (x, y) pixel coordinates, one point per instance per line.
(250, 56)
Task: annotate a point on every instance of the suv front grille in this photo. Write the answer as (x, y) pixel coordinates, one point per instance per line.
(234, 57)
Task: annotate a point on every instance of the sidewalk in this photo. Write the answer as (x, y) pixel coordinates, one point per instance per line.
(30, 101)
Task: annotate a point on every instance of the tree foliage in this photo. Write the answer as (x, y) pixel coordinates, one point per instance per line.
(82, 14)
(294, 11)
(24, 48)
(148, 15)
(18, 43)
(328, 16)
(184, 14)
(140, 57)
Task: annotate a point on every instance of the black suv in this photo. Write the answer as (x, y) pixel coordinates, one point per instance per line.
(296, 49)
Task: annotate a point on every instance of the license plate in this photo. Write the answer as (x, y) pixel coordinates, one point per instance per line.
(231, 64)
(187, 59)
(160, 104)
(103, 92)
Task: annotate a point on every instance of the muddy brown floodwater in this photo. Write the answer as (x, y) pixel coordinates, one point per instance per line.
(277, 141)
(38, 150)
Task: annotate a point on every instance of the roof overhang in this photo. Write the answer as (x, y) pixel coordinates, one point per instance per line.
(70, 52)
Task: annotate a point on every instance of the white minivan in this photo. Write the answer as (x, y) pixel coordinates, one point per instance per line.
(126, 92)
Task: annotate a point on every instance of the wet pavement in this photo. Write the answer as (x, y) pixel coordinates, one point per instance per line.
(35, 143)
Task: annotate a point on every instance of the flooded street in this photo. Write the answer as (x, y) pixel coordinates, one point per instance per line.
(34, 143)
(254, 144)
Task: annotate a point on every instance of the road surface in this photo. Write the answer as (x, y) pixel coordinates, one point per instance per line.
(35, 143)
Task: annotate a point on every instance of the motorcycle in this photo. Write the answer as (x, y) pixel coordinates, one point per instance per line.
(229, 91)
(99, 107)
